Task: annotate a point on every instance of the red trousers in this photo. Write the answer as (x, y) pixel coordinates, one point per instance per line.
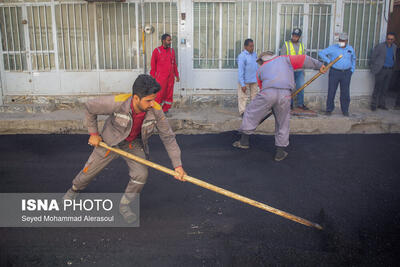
(165, 95)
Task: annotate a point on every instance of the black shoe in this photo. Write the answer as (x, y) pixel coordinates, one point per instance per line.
(373, 108)
(328, 113)
(303, 107)
(346, 114)
(280, 154)
(237, 144)
(243, 142)
(244, 139)
(396, 108)
(383, 107)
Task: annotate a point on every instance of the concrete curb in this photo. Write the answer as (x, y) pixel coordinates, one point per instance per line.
(207, 121)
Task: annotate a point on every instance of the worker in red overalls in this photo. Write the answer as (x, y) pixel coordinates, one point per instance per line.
(164, 70)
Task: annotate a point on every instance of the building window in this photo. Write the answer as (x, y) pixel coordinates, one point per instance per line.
(362, 21)
(221, 28)
(118, 39)
(290, 17)
(79, 36)
(119, 29)
(41, 38)
(163, 18)
(75, 37)
(13, 39)
(117, 35)
(319, 28)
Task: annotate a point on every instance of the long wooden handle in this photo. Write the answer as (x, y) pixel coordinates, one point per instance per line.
(305, 85)
(214, 188)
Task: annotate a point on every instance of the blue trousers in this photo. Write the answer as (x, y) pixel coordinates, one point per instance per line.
(343, 78)
(299, 80)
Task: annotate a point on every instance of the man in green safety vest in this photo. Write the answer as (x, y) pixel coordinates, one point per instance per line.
(295, 47)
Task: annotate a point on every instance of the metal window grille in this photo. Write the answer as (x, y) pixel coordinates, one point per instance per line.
(40, 38)
(26, 1)
(291, 16)
(75, 36)
(362, 21)
(13, 39)
(208, 34)
(111, 33)
(313, 19)
(117, 27)
(163, 17)
(319, 28)
(220, 28)
(119, 31)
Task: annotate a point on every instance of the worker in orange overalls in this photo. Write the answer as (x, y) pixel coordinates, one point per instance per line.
(164, 70)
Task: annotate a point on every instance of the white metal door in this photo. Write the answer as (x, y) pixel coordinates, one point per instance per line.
(76, 47)
(15, 55)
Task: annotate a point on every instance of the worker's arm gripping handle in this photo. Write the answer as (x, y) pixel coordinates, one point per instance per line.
(316, 76)
(306, 84)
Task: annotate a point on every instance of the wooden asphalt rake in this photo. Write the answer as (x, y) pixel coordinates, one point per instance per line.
(214, 188)
(220, 190)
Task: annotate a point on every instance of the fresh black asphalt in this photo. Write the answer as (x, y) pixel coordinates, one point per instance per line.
(348, 183)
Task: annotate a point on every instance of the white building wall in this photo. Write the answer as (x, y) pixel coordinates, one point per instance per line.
(94, 80)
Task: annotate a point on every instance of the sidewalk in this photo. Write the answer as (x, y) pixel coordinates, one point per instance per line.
(209, 120)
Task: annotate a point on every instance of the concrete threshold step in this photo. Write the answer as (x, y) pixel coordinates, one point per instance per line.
(212, 120)
(27, 108)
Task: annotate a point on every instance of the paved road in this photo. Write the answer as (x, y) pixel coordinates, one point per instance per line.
(354, 179)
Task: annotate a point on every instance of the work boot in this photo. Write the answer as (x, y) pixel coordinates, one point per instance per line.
(281, 154)
(304, 107)
(124, 208)
(127, 213)
(383, 107)
(71, 194)
(243, 142)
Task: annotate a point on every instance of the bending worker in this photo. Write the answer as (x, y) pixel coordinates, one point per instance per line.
(132, 120)
(276, 80)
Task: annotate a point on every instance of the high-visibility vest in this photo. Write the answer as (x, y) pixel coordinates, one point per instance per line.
(292, 51)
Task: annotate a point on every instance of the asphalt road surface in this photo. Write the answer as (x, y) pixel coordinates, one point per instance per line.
(348, 183)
